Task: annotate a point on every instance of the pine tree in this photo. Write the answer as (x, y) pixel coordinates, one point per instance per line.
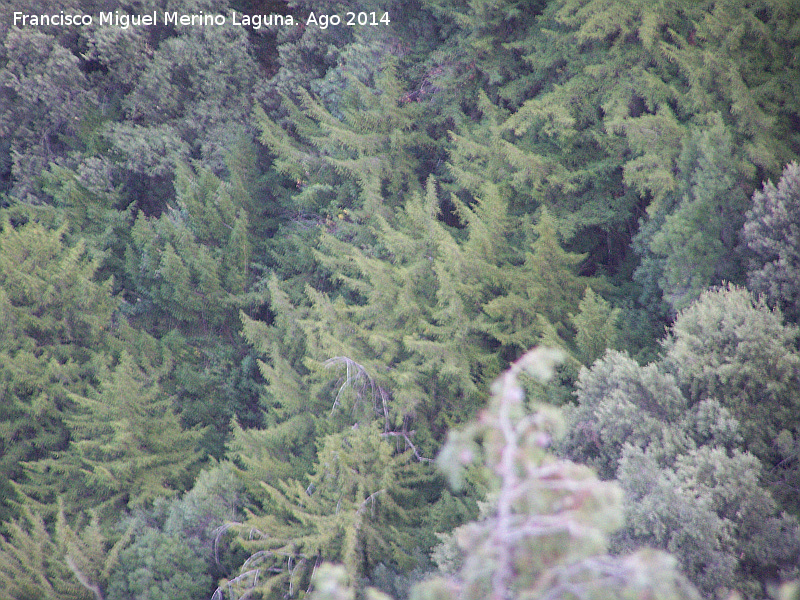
(398, 314)
(284, 448)
(88, 553)
(190, 271)
(89, 207)
(193, 263)
(543, 290)
(428, 312)
(366, 157)
(178, 261)
(615, 93)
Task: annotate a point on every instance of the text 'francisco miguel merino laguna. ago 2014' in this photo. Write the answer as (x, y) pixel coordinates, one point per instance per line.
(124, 20)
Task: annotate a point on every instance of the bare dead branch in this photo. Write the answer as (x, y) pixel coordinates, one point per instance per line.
(217, 535)
(313, 572)
(368, 499)
(256, 556)
(409, 443)
(84, 581)
(219, 593)
(384, 400)
(356, 377)
(292, 572)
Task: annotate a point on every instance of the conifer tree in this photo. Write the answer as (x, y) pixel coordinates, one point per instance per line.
(595, 327)
(90, 208)
(398, 314)
(88, 553)
(169, 550)
(54, 326)
(615, 94)
(698, 237)
(283, 449)
(127, 449)
(188, 273)
(31, 564)
(360, 506)
(541, 291)
(193, 263)
(771, 232)
(430, 314)
(366, 157)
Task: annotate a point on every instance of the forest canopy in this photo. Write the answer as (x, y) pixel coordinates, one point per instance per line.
(271, 273)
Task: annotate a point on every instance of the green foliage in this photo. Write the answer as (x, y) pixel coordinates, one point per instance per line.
(193, 262)
(770, 232)
(173, 271)
(595, 326)
(361, 506)
(430, 313)
(54, 318)
(213, 382)
(49, 294)
(732, 347)
(407, 326)
(88, 205)
(539, 294)
(282, 449)
(45, 95)
(174, 549)
(160, 567)
(367, 158)
(71, 563)
(545, 532)
(621, 402)
(698, 237)
(675, 434)
(88, 553)
(127, 449)
(190, 101)
(607, 100)
(432, 196)
(712, 512)
(190, 272)
(31, 565)
(170, 550)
